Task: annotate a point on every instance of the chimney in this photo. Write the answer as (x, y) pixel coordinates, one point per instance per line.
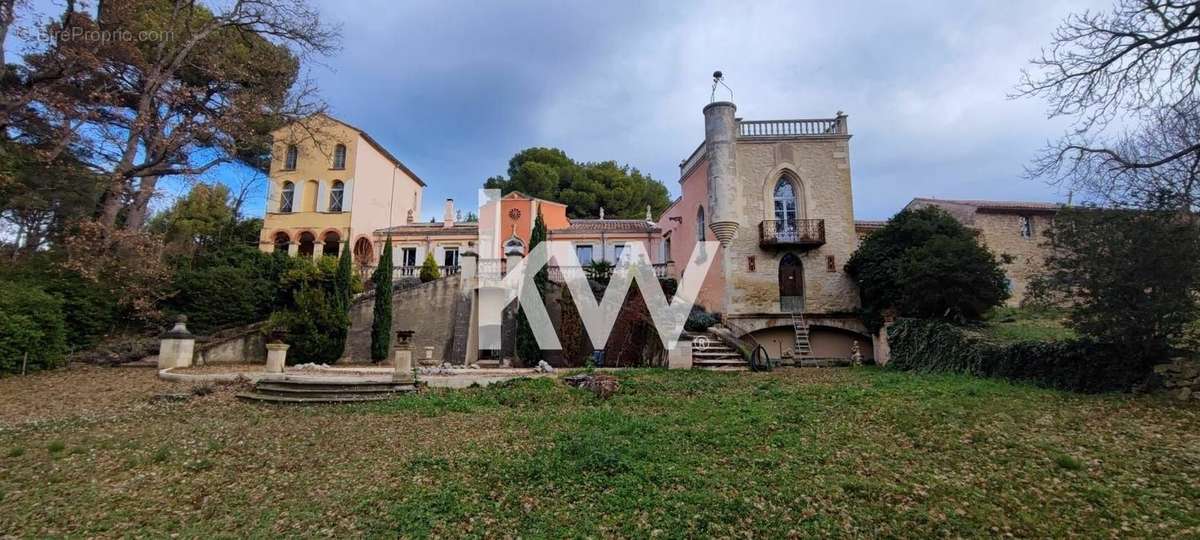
(720, 136)
(448, 216)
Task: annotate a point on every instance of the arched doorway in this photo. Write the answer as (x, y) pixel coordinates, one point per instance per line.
(363, 251)
(306, 244)
(281, 242)
(333, 241)
(791, 284)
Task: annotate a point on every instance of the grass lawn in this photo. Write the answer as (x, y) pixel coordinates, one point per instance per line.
(814, 452)
(1008, 324)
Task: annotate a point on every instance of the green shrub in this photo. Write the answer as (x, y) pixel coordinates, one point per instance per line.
(1081, 365)
(926, 264)
(699, 320)
(236, 287)
(315, 326)
(31, 323)
(429, 269)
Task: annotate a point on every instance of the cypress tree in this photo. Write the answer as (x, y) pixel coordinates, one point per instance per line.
(381, 326)
(527, 346)
(343, 290)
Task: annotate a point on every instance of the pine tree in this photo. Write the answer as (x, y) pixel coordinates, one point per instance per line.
(381, 326)
(527, 346)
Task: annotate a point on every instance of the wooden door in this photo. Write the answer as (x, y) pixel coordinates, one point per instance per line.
(791, 284)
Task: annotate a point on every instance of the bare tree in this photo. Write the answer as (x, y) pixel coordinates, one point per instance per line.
(1138, 63)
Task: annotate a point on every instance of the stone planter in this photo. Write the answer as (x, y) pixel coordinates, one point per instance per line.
(276, 357)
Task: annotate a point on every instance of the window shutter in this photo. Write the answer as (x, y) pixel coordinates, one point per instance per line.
(272, 197)
(298, 196)
(347, 195)
(322, 196)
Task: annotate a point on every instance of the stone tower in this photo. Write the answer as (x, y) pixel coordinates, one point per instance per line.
(720, 136)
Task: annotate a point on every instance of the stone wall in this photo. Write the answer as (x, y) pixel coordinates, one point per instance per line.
(1001, 233)
(1181, 378)
(430, 310)
(823, 169)
(242, 345)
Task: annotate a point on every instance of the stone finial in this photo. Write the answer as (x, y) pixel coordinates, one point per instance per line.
(649, 216)
(601, 212)
(179, 331)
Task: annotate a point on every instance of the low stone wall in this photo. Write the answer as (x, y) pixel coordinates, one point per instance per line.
(1181, 378)
(242, 345)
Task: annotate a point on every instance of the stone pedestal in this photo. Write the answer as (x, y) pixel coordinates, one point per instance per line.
(177, 346)
(681, 356)
(276, 357)
(402, 358)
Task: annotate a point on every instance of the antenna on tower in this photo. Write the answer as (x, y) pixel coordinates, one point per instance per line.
(719, 79)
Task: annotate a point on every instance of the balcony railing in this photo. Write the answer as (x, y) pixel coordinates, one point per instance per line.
(792, 128)
(557, 273)
(415, 271)
(792, 232)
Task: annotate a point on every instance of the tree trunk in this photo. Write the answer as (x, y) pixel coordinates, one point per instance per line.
(141, 203)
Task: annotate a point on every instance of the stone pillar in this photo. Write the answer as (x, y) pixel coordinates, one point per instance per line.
(513, 259)
(293, 249)
(402, 363)
(681, 356)
(720, 136)
(470, 266)
(276, 357)
(177, 346)
(427, 358)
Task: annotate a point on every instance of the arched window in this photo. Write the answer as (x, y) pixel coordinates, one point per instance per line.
(332, 241)
(281, 242)
(700, 225)
(335, 196)
(786, 204)
(307, 241)
(514, 246)
(289, 161)
(287, 198)
(339, 156)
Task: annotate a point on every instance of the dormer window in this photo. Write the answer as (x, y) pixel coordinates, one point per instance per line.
(1026, 224)
(289, 160)
(339, 156)
(336, 196)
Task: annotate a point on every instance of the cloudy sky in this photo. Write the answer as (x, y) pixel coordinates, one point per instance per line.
(454, 88)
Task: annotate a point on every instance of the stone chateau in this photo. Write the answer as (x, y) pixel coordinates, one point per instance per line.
(776, 194)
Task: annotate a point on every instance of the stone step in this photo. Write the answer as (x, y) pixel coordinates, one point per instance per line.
(290, 387)
(711, 352)
(343, 398)
(719, 362)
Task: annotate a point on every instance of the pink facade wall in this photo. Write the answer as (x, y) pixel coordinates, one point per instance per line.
(694, 195)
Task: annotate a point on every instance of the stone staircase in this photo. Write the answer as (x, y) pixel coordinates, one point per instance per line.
(297, 389)
(709, 352)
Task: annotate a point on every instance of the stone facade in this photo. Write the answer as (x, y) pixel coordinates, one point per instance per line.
(1013, 229)
(822, 170)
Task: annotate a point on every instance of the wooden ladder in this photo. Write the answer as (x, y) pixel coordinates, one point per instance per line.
(803, 347)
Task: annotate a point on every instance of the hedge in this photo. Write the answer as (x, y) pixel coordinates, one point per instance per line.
(31, 323)
(1080, 365)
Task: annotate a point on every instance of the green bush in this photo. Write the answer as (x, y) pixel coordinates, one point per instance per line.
(31, 323)
(235, 287)
(429, 269)
(926, 264)
(381, 323)
(1080, 365)
(699, 320)
(316, 327)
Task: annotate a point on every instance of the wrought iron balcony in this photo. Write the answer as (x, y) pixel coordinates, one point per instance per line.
(792, 232)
